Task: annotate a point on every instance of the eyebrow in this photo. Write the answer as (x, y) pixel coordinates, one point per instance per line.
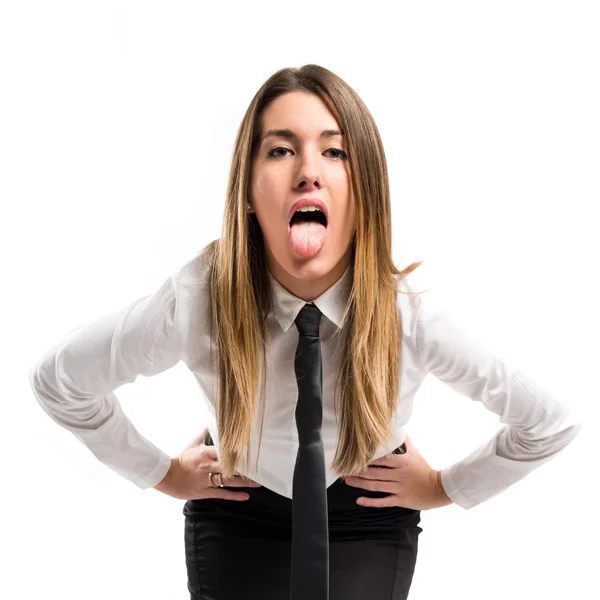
(287, 133)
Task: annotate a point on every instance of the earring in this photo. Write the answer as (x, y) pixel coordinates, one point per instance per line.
(249, 207)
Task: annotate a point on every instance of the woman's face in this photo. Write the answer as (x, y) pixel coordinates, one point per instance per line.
(306, 258)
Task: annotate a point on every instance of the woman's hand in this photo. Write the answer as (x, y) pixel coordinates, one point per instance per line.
(187, 478)
(409, 480)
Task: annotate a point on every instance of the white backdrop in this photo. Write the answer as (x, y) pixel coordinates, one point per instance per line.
(117, 124)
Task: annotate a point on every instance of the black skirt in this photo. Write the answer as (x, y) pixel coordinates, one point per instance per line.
(242, 549)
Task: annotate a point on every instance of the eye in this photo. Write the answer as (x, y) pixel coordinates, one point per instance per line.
(271, 153)
(342, 154)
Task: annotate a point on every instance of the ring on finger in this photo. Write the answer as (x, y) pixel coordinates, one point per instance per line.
(212, 483)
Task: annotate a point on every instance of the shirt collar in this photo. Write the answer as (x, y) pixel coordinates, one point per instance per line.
(332, 302)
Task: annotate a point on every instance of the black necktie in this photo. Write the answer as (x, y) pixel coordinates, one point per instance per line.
(310, 531)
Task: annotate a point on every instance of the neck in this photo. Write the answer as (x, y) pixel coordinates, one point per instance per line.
(308, 288)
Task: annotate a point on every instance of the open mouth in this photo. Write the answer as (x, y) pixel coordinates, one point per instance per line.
(310, 216)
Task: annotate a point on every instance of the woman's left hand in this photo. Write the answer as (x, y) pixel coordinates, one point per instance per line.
(409, 480)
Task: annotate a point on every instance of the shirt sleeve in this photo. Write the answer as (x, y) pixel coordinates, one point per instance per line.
(537, 425)
(75, 381)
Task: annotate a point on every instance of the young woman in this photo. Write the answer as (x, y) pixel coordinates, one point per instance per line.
(307, 223)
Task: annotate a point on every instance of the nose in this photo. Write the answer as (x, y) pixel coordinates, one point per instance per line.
(309, 175)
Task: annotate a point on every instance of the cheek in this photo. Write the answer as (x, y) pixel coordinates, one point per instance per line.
(265, 188)
(256, 186)
(350, 208)
(264, 197)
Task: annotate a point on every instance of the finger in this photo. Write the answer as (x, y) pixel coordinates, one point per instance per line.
(235, 481)
(215, 466)
(238, 481)
(377, 474)
(230, 495)
(376, 502)
(200, 439)
(387, 460)
(212, 467)
(211, 452)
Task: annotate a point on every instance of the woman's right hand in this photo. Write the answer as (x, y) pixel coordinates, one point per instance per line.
(187, 478)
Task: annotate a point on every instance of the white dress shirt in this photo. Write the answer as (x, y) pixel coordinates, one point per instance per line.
(75, 383)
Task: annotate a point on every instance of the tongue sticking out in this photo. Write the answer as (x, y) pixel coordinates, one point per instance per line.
(307, 238)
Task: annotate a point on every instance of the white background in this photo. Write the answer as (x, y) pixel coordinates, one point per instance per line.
(117, 124)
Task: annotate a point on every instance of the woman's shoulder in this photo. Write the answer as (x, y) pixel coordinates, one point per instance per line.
(414, 297)
(193, 304)
(412, 288)
(191, 283)
(193, 275)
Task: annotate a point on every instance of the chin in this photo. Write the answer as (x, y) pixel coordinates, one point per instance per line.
(311, 268)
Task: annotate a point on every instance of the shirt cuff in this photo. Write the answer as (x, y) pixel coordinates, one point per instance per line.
(458, 497)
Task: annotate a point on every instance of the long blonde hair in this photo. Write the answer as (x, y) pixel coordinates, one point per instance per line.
(240, 290)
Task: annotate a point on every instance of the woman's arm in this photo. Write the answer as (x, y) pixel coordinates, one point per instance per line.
(537, 425)
(74, 381)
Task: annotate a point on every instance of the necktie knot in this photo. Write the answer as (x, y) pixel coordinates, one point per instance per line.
(308, 320)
